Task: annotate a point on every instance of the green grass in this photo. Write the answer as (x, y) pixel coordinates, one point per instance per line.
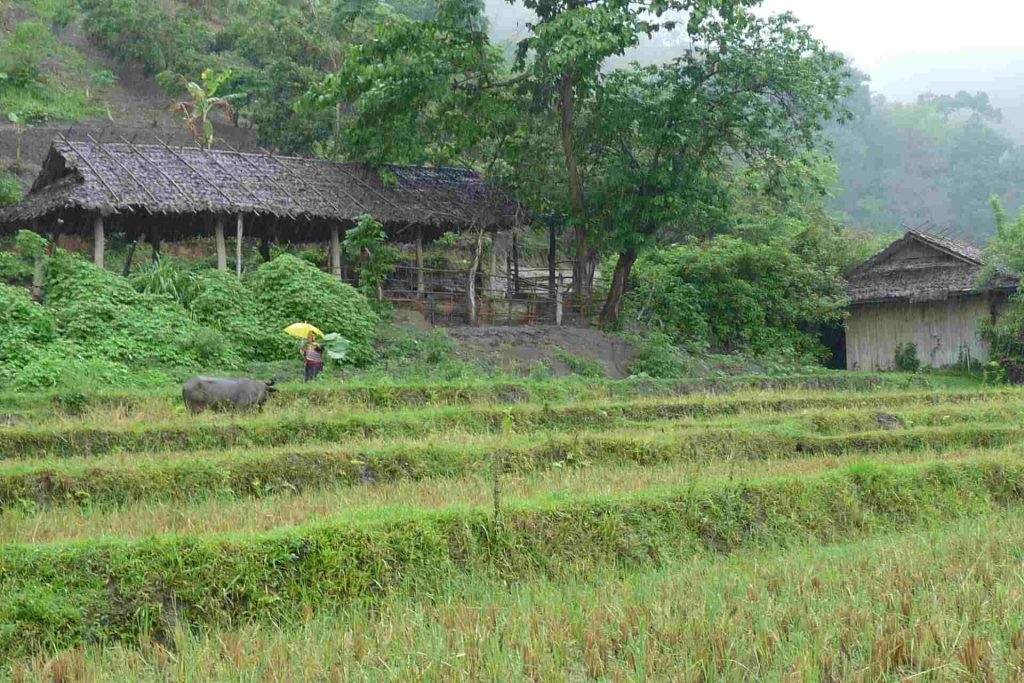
(938, 604)
(133, 430)
(388, 394)
(134, 537)
(59, 595)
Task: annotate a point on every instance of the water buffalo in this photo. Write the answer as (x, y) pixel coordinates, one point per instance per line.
(201, 393)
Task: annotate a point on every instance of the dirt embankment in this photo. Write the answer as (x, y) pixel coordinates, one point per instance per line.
(136, 108)
(524, 348)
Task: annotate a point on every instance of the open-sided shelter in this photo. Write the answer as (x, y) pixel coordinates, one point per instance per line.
(922, 289)
(160, 192)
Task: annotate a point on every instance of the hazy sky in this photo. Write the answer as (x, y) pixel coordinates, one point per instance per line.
(901, 43)
(907, 46)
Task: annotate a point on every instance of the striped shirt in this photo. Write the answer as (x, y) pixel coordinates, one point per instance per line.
(313, 354)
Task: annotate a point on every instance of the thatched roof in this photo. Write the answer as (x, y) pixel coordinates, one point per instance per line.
(298, 196)
(923, 267)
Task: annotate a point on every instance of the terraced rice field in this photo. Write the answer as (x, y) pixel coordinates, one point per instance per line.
(837, 528)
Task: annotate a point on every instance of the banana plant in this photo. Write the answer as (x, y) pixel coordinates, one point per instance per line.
(204, 100)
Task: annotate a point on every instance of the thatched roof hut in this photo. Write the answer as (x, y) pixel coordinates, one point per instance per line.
(922, 289)
(921, 267)
(178, 192)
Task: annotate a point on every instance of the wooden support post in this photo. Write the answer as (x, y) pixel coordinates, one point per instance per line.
(238, 246)
(37, 278)
(222, 249)
(421, 284)
(552, 248)
(515, 264)
(558, 301)
(98, 239)
(493, 272)
(335, 251)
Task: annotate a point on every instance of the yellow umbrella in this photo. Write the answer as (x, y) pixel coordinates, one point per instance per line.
(301, 330)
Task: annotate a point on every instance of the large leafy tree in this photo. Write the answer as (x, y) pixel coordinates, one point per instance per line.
(615, 157)
(750, 95)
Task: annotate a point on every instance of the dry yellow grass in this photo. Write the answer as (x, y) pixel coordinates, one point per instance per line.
(939, 605)
(29, 524)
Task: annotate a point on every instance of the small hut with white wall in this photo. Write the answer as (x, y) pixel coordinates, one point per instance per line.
(922, 289)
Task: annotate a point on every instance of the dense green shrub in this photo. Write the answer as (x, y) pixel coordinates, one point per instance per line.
(289, 289)
(906, 359)
(658, 357)
(221, 302)
(10, 189)
(24, 325)
(730, 295)
(112, 321)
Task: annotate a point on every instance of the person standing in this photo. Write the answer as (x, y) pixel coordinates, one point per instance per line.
(313, 353)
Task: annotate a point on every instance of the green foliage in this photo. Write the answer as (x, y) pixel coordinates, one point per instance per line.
(275, 50)
(366, 244)
(584, 367)
(730, 295)
(13, 268)
(24, 326)
(40, 78)
(166, 278)
(906, 359)
(399, 88)
(995, 374)
(288, 290)
(1004, 256)
(205, 100)
(658, 357)
(222, 302)
(110, 320)
(10, 188)
(31, 244)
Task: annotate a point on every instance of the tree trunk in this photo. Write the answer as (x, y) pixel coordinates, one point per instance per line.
(515, 264)
(471, 282)
(222, 249)
(582, 282)
(620, 282)
(128, 261)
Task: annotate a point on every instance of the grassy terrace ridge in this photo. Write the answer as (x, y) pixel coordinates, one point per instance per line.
(120, 479)
(940, 604)
(59, 595)
(218, 513)
(390, 395)
(74, 438)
